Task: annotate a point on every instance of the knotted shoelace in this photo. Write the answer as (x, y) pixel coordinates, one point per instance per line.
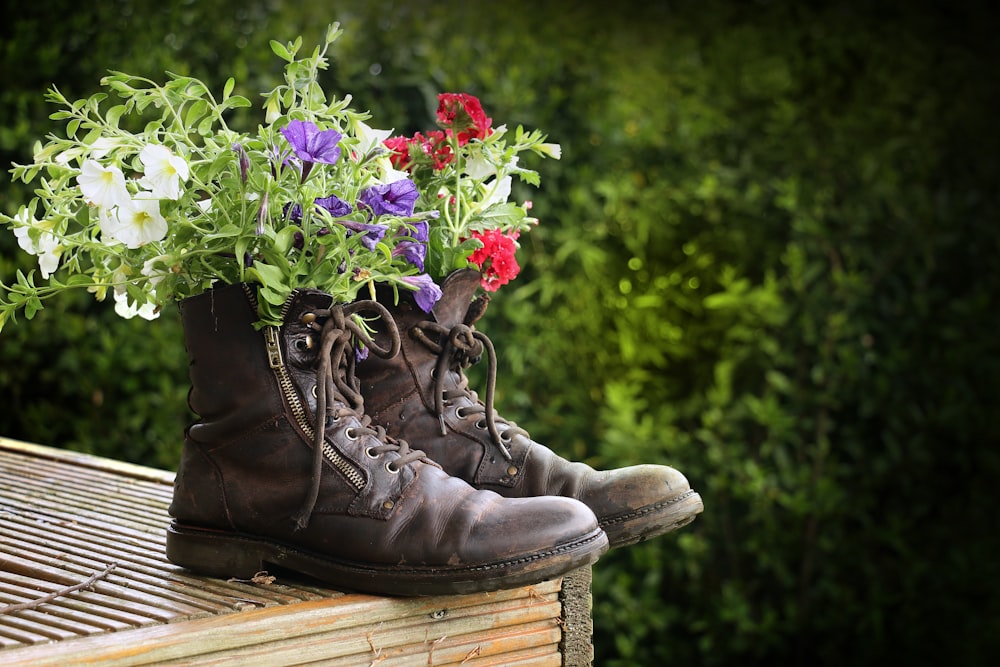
(337, 383)
(458, 348)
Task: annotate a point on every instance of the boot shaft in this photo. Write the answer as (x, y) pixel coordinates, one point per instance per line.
(250, 457)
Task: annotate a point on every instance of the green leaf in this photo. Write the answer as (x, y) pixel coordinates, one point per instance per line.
(114, 114)
(267, 275)
(194, 112)
(236, 102)
(227, 90)
(283, 239)
(280, 50)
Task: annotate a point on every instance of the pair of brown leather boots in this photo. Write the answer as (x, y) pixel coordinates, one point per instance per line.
(387, 474)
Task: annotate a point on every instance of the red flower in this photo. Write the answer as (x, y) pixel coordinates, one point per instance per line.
(435, 146)
(405, 152)
(463, 114)
(400, 152)
(496, 258)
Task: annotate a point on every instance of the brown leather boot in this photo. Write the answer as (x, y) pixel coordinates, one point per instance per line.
(284, 469)
(423, 395)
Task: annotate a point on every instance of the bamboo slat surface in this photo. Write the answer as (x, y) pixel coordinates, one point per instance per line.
(68, 518)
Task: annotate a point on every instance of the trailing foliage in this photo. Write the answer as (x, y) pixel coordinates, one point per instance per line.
(767, 257)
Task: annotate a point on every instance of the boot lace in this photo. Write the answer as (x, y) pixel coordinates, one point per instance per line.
(458, 348)
(337, 386)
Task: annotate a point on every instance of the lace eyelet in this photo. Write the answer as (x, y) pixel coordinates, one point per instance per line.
(370, 454)
(351, 434)
(505, 436)
(308, 318)
(304, 344)
(460, 412)
(390, 469)
(482, 425)
(315, 391)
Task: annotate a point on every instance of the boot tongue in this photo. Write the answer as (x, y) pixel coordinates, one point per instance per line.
(457, 290)
(304, 300)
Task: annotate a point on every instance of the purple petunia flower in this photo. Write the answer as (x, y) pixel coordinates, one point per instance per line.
(335, 205)
(372, 234)
(292, 212)
(397, 198)
(242, 159)
(420, 231)
(312, 144)
(427, 293)
(413, 252)
(262, 216)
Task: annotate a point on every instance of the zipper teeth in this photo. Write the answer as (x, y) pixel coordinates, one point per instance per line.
(344, 466)
(299, 410)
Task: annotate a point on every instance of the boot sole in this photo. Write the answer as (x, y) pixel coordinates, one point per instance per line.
(233, 555)
(653, 520)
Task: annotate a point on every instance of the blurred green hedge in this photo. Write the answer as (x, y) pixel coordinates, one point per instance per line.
(767, 257)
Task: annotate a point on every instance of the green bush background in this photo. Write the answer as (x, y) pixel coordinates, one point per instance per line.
(768, 257)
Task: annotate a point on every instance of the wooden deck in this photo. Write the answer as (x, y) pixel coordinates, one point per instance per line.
(85, 536)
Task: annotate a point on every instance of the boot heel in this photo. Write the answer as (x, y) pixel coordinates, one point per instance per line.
(213, 553)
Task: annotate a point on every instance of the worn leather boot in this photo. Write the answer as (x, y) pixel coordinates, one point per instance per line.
(423, 395)
(283, 468)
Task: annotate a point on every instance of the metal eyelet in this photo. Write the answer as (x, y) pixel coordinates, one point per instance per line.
(482, 425)
(512, 470)
(388, 505)
(308, 318)
(350, 434)
(315, 391)
(303, 344)
(460, 412)
(390, 469)
(505, 436)
(370, 454)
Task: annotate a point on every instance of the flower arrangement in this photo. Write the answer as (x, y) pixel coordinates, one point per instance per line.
(151, 197)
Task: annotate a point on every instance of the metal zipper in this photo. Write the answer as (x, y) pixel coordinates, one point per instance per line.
(272, 342)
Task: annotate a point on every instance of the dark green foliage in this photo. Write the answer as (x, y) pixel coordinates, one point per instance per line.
(767, 257)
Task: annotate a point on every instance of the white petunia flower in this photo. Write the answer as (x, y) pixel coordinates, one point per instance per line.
(102, 186)
(136, 222)
(48, 254)
(25, 223)
(551, 150)
(47, 247)
(126, 309)
(369, 138)
(499, 193)
(477, 167)
(102, 146)
(389, 173)
(156, 273)
(164, 171)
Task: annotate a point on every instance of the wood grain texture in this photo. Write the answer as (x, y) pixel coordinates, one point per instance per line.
(65, 516)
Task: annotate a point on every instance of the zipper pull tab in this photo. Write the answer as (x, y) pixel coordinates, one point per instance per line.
(273, 347)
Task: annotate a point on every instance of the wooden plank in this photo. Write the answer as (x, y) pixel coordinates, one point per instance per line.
(80, 460)
(187, 639)
(390, 646)
(65, 516)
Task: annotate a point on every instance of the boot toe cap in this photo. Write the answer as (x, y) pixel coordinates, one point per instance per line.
(642, 501)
